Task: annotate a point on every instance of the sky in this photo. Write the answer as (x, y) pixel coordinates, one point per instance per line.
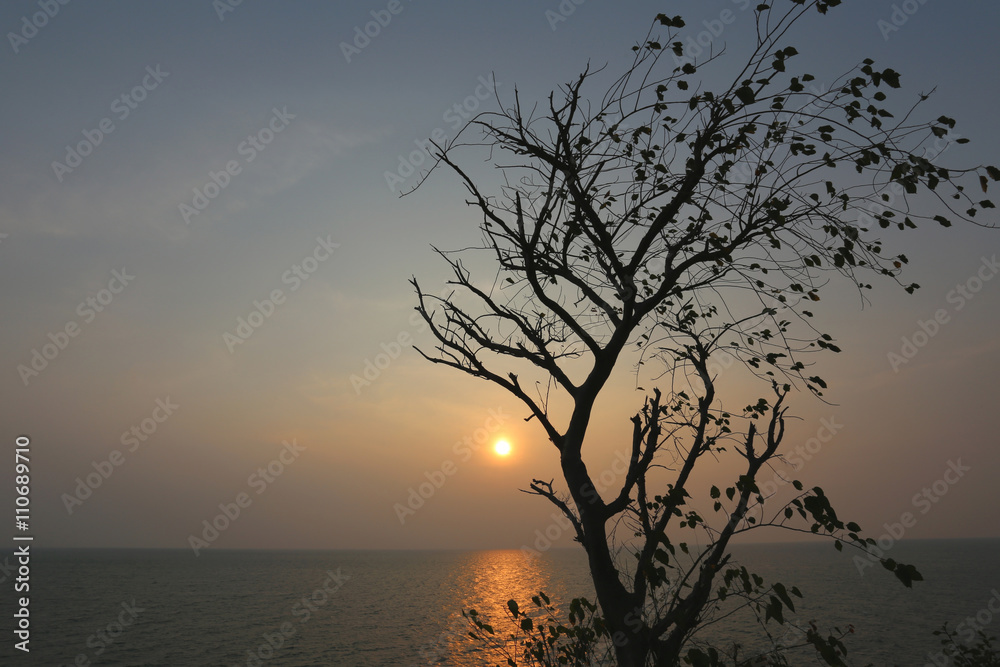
(200, 248)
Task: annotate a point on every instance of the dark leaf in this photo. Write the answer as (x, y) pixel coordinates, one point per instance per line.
(746, 95)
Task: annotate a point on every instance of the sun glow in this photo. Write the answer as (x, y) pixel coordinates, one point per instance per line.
(502, 448)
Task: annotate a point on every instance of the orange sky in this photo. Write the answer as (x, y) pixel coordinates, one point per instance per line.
(308, 234)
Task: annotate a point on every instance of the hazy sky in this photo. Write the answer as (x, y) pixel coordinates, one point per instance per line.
(235, 156)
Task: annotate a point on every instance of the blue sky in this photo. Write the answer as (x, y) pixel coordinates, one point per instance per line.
(320, 182)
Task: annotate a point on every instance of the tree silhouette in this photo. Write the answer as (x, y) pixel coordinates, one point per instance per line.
(677, 223)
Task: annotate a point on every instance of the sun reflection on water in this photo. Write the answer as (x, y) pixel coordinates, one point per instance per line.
(486, 581)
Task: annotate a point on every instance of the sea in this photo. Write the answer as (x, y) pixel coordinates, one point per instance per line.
(346, 608)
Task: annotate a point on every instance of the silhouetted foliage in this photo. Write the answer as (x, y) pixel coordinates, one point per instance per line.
(680, 223)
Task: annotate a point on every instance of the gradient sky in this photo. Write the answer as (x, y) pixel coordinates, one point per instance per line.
(343, 125)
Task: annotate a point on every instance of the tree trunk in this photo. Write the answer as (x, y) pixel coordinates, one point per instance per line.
(621, 610)
(621, 615)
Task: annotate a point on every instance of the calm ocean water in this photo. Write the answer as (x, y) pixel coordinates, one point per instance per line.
(166, 607)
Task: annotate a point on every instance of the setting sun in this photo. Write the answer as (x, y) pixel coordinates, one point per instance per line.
(502, 447)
